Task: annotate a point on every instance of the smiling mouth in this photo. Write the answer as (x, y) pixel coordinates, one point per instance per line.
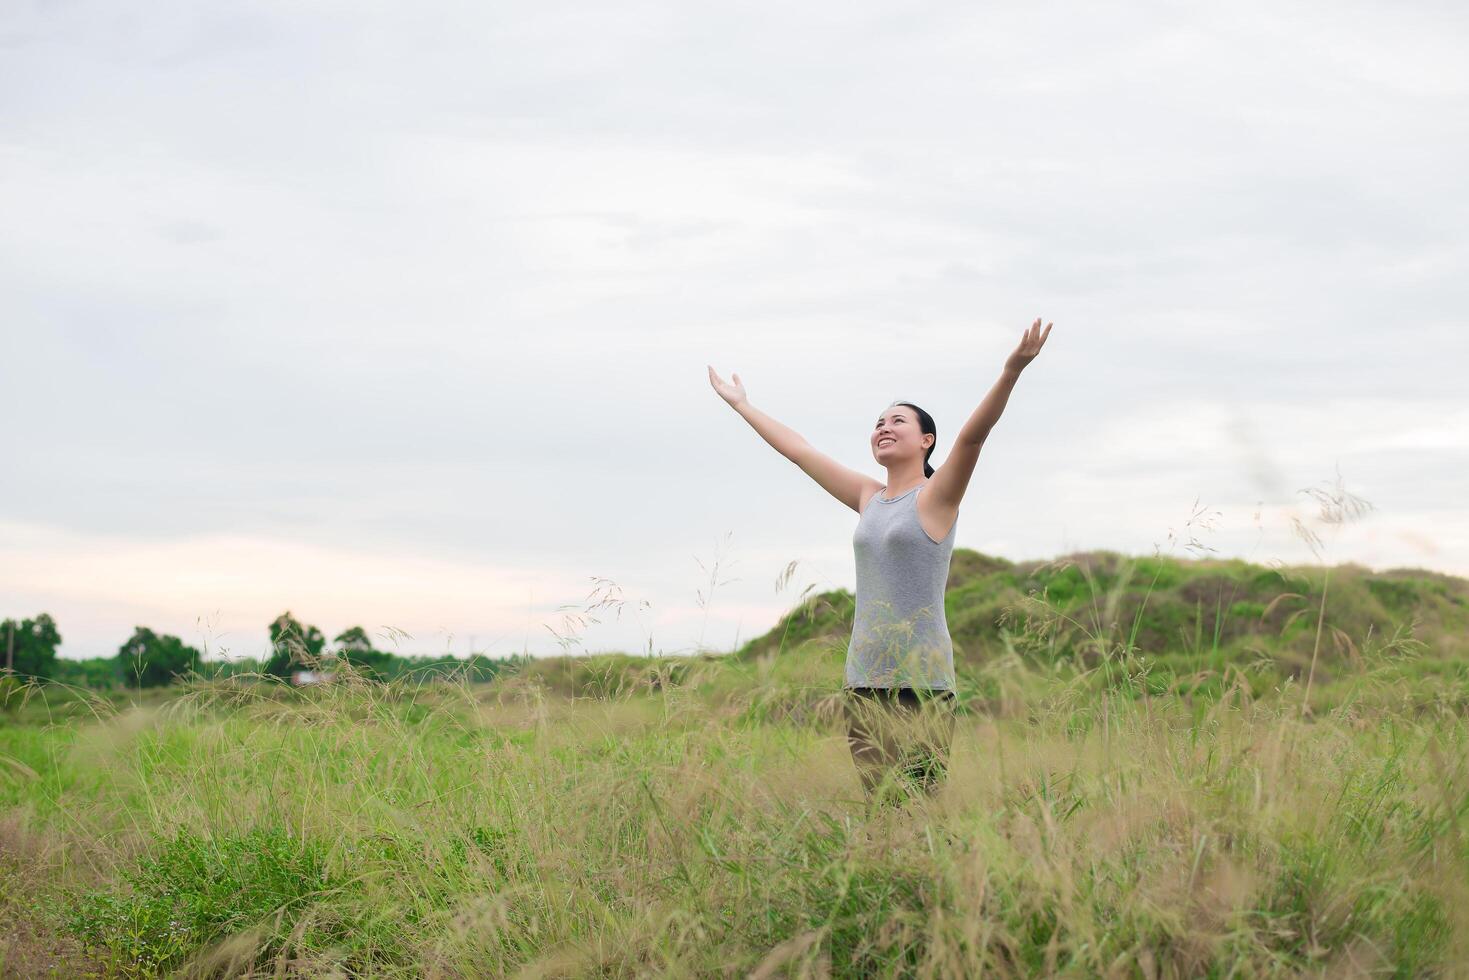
(885, 442)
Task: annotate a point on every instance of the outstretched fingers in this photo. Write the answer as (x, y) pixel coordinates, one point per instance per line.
(1035, 337)
(730, 392)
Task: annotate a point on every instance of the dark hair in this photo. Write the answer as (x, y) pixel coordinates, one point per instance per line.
(925, 422)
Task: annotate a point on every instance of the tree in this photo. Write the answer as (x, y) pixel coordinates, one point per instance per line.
(353, 638)
(97, 673)
(355, 647)
(31, 644)
(151, 660)
(292, 644)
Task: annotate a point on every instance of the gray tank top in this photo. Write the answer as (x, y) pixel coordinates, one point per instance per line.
(899, 635)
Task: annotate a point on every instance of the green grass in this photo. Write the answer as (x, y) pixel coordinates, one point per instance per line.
(1113, 808)
(480, 831)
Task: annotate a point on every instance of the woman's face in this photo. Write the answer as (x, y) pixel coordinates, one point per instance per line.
(897, 435)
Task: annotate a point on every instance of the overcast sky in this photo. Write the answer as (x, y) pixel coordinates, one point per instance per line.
(398, 314)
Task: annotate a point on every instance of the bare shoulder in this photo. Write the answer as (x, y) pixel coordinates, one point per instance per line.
(936, 516)
(870, 488)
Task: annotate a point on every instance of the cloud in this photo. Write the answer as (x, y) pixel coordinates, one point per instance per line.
(439, 284)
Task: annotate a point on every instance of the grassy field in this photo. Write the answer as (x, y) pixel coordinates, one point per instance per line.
(1142, 785)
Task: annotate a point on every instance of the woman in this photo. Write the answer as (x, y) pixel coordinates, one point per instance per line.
(899, 677)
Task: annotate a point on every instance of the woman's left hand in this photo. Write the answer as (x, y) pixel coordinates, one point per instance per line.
(1030, 346)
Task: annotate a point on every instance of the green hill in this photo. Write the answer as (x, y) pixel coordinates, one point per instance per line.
(1181, 616)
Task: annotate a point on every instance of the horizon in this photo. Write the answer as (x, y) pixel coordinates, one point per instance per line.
(1200, 555)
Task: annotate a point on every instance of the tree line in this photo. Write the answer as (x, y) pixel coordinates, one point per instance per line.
(152, 659)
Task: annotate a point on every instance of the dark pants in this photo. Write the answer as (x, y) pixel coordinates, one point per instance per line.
(899, 738)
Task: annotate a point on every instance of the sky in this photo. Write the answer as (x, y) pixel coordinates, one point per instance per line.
(398, 314)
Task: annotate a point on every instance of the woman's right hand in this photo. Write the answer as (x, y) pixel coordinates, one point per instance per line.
(732, 393)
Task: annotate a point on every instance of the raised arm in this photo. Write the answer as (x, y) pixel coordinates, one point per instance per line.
(948, 483)
(841, 482)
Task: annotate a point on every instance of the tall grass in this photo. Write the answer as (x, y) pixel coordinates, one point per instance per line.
(700, 816)
(453, 830)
